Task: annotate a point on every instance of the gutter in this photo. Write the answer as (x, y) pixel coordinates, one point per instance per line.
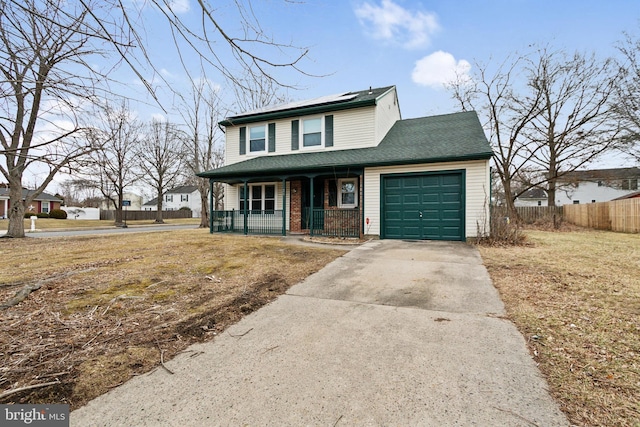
(329, 167)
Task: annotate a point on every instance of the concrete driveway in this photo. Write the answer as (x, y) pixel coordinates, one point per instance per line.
(393, 334)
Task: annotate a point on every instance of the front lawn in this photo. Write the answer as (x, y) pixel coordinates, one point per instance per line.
(113, 306)
(51, 224)
(575, 296)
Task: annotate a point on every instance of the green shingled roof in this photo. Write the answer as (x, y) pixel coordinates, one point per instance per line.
(344, 101)
(444, 138)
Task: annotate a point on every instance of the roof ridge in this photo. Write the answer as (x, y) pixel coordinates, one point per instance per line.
(343, 100)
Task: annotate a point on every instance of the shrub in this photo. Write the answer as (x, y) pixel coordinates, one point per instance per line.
(185, 208)
(42, 215)
(58, 214)
(28, 215)
(504, 231)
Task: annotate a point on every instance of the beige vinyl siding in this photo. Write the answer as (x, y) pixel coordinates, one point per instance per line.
(232, 145)
(231, 200)
(354, 128)
(477, 189)
(387, 113)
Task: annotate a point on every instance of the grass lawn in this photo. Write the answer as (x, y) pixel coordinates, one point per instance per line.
(113, 306)
(575, 296)
(51, 224)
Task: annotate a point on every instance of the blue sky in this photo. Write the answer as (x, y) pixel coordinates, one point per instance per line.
(414, 45)
(354, 44)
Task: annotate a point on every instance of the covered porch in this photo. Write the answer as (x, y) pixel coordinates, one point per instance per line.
(317, 204)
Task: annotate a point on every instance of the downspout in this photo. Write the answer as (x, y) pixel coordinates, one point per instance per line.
(284, 206)
(361, 191)
(246, 208)
(490, 197)
(311, 206)
(210, 206)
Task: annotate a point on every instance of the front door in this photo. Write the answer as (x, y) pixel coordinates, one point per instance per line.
(318, 203)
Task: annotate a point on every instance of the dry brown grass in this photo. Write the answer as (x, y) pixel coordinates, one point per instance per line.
(126, 300)
(575, 296)
(52, 224)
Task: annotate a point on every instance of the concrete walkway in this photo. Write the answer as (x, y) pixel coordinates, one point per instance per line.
(392, 334)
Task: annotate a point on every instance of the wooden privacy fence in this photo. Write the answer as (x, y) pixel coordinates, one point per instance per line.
(616, 215)
(530, 214)
(144, 215)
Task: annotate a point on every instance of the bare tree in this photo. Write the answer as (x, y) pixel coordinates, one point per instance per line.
(546, 114)
(204, 149)
(506, 114)
(45, 47)
(112, 169)
(257, 92)
(160, 156)
(575, 125)
(79, 192)
(626, 103)
(39, 97)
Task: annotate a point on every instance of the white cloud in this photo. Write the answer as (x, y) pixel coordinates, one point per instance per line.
(388, 21)
(207, 83)
(157, 117)
(440, 68)
(179, 6)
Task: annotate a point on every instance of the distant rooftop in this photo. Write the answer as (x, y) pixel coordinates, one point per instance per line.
(4, 192)
(183, 189)
(534, 193)
(601, 174)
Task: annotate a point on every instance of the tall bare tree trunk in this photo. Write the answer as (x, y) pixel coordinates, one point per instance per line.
(16, 211)
(159, 207)
(203, 187)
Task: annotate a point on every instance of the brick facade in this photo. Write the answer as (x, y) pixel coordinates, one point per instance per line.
(295, 201)
(332, 222)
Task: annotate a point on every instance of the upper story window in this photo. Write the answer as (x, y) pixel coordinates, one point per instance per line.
(312, 132)
(184, 197)
(257, 139)
(168, 198)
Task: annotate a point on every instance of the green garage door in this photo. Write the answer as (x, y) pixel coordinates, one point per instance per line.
(424, 206)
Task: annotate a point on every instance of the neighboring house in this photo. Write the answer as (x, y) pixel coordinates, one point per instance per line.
(184, 196)
(635, 195)
(43, 203)
(598, 185)
(532, 197)
(135, 199)
(348, 165)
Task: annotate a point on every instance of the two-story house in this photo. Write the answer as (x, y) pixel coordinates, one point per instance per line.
(184, 196)
(348, 165)
(596, 185)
